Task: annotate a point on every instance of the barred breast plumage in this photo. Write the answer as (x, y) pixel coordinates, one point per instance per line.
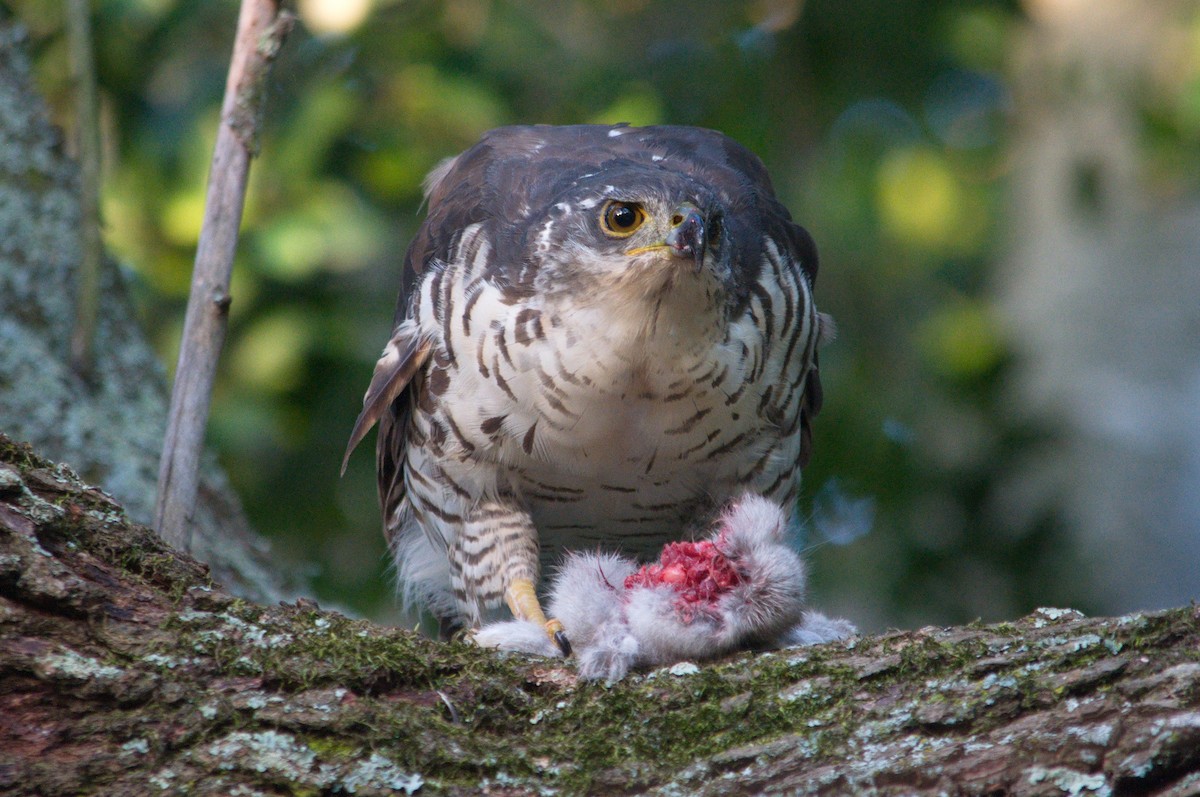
(611, 331)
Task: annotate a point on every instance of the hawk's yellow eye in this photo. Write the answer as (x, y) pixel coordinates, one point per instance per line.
(621, 219)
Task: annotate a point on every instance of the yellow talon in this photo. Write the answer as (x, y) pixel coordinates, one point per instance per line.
(522, 601)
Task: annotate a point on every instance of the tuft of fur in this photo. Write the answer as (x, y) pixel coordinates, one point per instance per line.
(667, 635)
(815, 629)
(588, 589)
(587, 597)
(613, 652)
(770, 598)
(520, 636)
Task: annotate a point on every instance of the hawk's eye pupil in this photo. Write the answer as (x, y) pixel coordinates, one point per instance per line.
(622, 218)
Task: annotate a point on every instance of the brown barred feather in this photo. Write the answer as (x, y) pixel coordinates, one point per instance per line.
(404, 354)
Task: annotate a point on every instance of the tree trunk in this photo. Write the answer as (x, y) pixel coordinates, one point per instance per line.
(1098, 295)
(110, 424)
(125, 670)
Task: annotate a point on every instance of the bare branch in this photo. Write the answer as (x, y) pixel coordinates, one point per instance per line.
(262, 27)
(87, 134)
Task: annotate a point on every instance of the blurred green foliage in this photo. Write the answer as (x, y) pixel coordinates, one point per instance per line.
(883, 122)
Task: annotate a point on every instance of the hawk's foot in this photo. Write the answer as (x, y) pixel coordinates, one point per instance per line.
(522, 601)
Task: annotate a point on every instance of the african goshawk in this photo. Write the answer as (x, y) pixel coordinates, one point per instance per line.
(610, 332)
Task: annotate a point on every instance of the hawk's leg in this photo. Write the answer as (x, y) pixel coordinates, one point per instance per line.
(495, 561)
(521, 598)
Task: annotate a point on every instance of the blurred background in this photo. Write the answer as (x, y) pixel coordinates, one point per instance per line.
(1006, 196)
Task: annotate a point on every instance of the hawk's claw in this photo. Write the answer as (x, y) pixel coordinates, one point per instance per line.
(555, 629)
(522, 601)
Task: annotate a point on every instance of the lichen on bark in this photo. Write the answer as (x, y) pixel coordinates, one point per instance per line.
(124, 668)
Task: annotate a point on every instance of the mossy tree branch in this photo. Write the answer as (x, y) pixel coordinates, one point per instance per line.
(123, 669)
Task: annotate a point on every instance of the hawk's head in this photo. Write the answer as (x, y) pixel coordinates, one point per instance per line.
(630, 212)
(633, 230)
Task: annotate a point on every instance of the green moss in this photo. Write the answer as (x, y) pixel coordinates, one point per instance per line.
(934, 658)
(1146, 632)
(135, 550)
(546, 734)
(496, 705)
(672, 721)
(460, 715)
(329, 748)
(21, 455)
(512, 730)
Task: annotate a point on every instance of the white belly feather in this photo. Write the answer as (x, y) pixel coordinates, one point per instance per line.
(614, 430)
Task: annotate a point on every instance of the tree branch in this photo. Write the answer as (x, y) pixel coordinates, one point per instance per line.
(262, 28)
(124, 670)
(87, 135)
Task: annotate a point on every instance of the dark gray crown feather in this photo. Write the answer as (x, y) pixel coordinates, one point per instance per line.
(512, 168)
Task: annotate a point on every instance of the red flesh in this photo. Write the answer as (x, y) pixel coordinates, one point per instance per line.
(697, 571)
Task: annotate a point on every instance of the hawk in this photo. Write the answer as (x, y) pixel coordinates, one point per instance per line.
(609, 333)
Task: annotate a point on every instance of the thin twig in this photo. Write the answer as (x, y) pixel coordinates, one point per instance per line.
(87, 134)
(262, 27)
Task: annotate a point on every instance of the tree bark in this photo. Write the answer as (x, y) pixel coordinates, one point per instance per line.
(109, 424)
(125, 670)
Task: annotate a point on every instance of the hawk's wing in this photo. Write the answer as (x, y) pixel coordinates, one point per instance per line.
(403, 356)
(388, 398)
(396, 379)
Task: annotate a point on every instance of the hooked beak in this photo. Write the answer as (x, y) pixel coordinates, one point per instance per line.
(687, 236)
